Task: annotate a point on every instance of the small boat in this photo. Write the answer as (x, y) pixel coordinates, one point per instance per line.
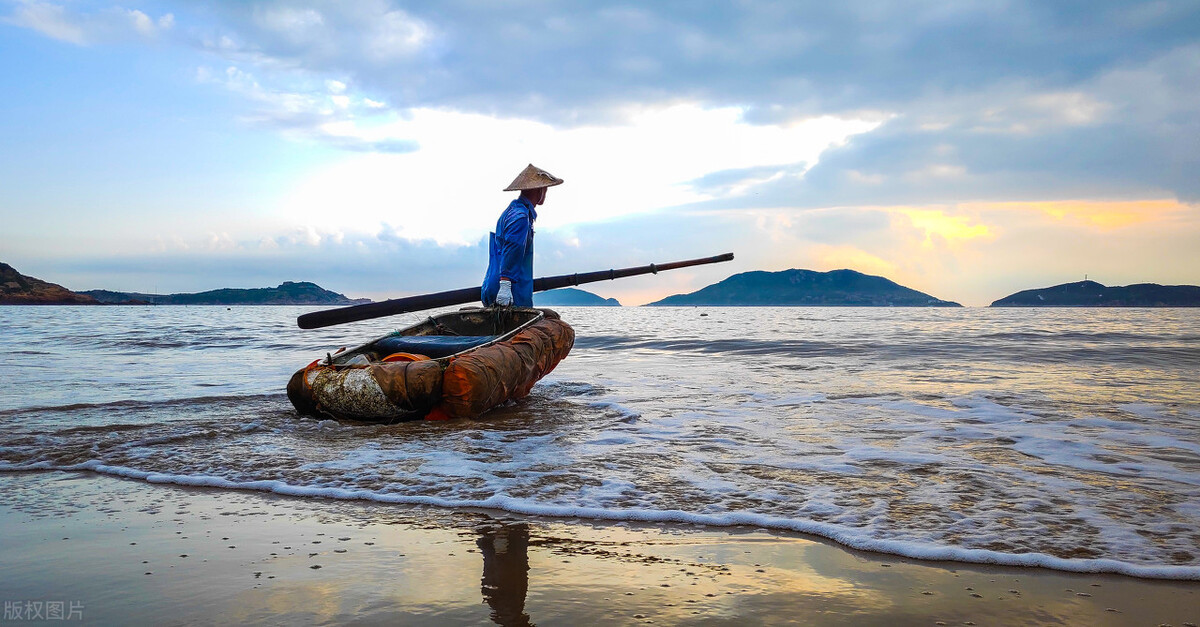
(453, 365)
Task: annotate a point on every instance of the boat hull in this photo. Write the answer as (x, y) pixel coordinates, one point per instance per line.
(360, 385)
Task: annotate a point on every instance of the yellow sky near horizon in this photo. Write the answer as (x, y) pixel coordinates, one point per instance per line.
(975, 253)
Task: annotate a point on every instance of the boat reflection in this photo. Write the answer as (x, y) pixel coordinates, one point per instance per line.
(505, 572)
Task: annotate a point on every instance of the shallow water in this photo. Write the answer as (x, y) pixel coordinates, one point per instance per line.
(1064, 438)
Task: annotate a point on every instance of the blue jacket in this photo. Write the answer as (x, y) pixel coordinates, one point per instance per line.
(510, 254)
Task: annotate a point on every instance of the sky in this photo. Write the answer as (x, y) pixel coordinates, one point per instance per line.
(966, 149)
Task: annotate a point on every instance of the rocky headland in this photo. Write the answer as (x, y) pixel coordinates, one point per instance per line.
(19, 289)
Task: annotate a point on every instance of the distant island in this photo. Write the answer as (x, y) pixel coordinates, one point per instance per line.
(844, 288)
(571, 297)
(19, 289)
(1093, 294)
(837, 288)
(288, 293)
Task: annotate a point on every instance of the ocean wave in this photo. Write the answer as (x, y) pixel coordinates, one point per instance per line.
(119, 406)
(852, 538)
(1055, 439)
(1008, 348)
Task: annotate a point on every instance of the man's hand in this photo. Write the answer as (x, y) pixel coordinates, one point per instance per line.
(504, 296)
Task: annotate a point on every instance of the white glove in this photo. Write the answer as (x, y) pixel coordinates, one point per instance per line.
(504, 296)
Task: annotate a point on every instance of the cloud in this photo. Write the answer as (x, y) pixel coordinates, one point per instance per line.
(107, 25)
(936, 223)
(973, 254)
(297, 25)
(585, 62)
(922, 137)
(973, 102)
(327, 112)
(1127, 131)
(378, 264)
(395, 35)
(979, 100)
(1103, 215)
(449, 190)
(838, 257)
(319, 36)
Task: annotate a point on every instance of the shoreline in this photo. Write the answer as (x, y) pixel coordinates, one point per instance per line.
(813, 530)
(126, 550)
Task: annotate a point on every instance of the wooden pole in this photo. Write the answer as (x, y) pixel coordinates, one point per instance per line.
(354, 313)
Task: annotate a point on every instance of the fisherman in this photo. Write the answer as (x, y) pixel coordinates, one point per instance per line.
(509, 278)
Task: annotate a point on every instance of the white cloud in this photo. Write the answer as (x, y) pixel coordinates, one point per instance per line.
(275, 104)
(317, 36)
(937, 171)
(109, 25)
(307, 110)
(288, 20)
(449, 190)
(395, 35)
(859, 178)
(1023, 80)
(141, 22)
(50, 20)
(221, 242)
(1073, 108)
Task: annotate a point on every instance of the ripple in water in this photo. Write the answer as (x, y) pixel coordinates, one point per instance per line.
(1065, 439)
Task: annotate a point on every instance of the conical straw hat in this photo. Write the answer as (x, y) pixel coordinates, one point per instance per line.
(533, 177)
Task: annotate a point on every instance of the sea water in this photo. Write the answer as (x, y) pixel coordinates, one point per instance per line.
(1057, 438)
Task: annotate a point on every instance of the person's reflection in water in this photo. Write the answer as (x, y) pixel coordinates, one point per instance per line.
(505, 572)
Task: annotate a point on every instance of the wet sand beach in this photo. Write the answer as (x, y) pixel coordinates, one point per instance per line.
(104, 550)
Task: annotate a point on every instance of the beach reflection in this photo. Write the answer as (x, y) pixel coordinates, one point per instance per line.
(505, 580)
(191, 556)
